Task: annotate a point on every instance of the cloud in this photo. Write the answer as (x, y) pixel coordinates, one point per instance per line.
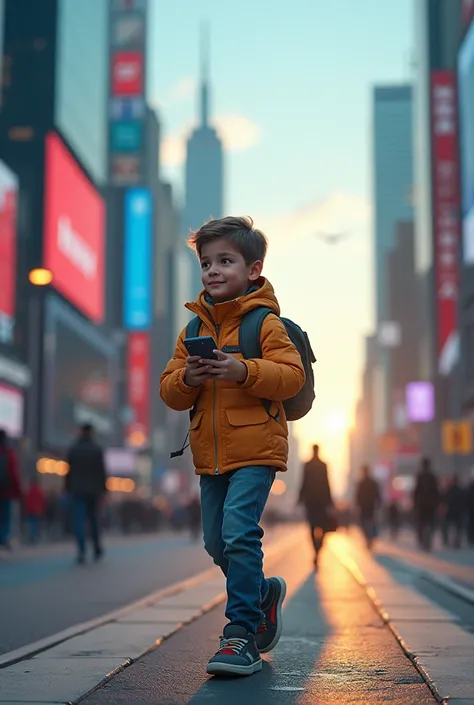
(238, 133)
(183, 89)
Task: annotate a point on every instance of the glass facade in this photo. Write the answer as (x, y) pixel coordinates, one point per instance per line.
(82, 81)
(393, 175)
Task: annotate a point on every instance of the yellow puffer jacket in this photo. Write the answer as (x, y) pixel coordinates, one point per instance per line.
(231, 427)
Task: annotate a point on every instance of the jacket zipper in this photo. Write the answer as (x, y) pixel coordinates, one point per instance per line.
(214, 403)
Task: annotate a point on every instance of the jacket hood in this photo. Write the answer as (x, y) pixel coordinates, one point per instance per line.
(262, 294)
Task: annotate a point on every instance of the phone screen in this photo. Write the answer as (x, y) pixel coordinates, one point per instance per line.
(203, 346)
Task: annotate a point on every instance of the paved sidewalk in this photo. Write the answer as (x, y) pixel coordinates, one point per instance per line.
(353, 634)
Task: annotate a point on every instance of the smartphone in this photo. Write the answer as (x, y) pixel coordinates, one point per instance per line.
(203, 346)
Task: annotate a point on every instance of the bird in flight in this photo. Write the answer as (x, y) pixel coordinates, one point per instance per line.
(332, 238)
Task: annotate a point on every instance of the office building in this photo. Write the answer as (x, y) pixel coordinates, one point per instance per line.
(52, 138)
(204, 179)
(392, 175)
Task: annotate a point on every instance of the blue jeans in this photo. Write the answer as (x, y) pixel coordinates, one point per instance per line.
(86, 511)
(5, 520)
(232, 505)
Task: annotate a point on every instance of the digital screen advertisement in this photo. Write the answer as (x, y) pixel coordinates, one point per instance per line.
(446, 203)
(466, 118)
(420, 402)
(138, 259)
(74, 231)
(8, 248)
(11, 410)
(79, 377)
(127, 73)
(138, 376)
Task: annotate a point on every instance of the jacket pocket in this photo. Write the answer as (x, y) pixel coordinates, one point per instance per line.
(246, 435)
(196, 421)
(251, 416)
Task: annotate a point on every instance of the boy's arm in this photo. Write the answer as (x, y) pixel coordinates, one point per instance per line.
(279, 375)
(173, 390)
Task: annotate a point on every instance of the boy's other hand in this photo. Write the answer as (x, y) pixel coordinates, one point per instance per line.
(226, 368)
(196, 371)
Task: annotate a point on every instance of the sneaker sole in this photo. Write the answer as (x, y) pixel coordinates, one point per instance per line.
(228, 669)
(277, 636)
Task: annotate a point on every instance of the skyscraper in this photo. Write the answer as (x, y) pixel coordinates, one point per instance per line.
(204, 166)
(393, 175)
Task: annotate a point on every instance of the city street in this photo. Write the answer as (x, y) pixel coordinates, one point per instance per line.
(364, 629)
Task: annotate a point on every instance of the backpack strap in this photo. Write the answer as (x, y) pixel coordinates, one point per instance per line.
(250, 333)
(193, 327)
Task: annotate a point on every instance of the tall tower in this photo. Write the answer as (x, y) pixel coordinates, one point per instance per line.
(204, 165)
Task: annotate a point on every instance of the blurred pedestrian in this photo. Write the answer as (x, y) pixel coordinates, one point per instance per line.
(368, 502)
(425, 504)
(454, 506)
(194, 516)
(470, 509)
(86, 483)
(394, 518)
(34, 509)
(10, 488)
(315, 496)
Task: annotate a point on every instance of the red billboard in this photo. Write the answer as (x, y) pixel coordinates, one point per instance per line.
(127, 73)
(8, 229)
(467, 12)
(138, 387)
(74, 231)
(446, 203)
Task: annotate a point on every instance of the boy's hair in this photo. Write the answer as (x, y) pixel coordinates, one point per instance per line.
(239, 231)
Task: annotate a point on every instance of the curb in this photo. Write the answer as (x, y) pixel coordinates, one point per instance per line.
(351, 566)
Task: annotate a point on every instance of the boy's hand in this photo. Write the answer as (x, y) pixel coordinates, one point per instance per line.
(226, 368)
(196, 371)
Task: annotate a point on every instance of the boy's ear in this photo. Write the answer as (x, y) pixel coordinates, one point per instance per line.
(255, 270)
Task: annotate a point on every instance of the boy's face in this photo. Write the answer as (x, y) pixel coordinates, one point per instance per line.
(225, 274)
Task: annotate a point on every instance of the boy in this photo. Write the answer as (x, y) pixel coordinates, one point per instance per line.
(237, 446)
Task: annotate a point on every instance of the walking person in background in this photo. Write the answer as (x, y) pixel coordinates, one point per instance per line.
(10, 488)
(454, 506)
(86, 483)
(34, 508)
(368, 502)
(425, 504)
(315, 496)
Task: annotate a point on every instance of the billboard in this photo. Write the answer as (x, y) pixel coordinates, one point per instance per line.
(79, 377)
(127, 73)
(137, 283)
(8, 247)
(127, 91)
(74, 231)
(138, 387)
(466, 131)
(446, 202)
(467, 12)
(420, 402)
(11, 410)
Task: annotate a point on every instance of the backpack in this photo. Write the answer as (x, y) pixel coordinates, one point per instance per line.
(4, 470)
(250, 347)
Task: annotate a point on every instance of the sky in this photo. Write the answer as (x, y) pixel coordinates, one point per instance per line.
(291, 97)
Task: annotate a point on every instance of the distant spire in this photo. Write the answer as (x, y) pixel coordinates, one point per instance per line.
(205, 90)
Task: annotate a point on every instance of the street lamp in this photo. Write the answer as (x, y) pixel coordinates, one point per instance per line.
(40, 276)
(39, 279)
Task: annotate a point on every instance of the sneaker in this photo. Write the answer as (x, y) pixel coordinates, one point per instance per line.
(237, 655)
(269, 631)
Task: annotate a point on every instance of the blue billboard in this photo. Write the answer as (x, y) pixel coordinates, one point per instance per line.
(138, 259)
(126, 136)
(466, 117)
